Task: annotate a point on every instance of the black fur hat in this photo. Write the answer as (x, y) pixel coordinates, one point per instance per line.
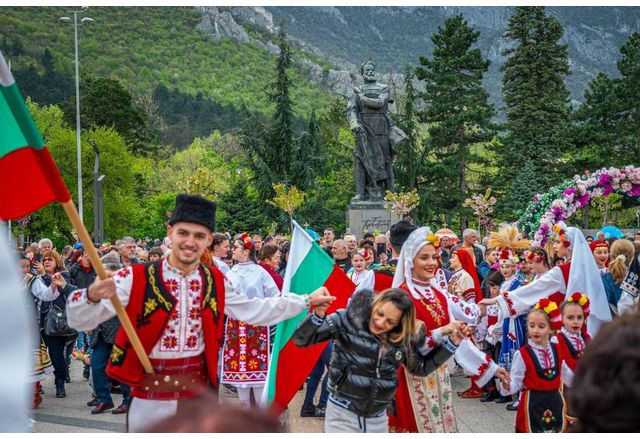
(194, 209)
(400, 231)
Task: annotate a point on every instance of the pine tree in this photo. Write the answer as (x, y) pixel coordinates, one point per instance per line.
(406, 166)
(629, 95)
(457, 110)
(537, 105)
(281, 138)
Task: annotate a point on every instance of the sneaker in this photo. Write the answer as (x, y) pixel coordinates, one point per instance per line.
(307, 411)
(319, 412)
(513, 407)
(94, 402)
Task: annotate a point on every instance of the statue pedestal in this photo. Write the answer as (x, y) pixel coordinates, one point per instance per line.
(369, 216)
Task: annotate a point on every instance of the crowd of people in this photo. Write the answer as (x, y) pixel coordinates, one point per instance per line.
(514, 318)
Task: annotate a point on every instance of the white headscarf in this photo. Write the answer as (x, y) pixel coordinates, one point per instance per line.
(410, 249)
(585, 277)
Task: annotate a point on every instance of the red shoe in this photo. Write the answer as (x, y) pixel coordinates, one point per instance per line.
(471, 393)
(102, 407)
(120, 409)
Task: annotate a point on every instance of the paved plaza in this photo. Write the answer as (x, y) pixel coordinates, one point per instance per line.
(71, 414)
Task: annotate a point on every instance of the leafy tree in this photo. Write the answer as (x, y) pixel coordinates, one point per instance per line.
(457, 109)
(106, 102)
(537, 105)
(115, 163)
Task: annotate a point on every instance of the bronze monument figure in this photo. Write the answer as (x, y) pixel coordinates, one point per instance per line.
(376, 136)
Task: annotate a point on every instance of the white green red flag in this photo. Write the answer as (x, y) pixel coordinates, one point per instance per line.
(29, 179)
(309, 267)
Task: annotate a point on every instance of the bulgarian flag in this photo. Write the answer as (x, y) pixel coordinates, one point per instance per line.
(308, 268)
(29, 179)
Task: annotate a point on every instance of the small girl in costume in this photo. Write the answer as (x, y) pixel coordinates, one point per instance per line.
(358, 271)
(536, 372)
(573, 338)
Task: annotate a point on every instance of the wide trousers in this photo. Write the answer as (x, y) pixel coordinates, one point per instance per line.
(340, 420)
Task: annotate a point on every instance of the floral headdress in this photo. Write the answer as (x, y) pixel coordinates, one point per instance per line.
(582, 300)
(433, 239)
(550, 308)
(562, 236)
(362, 252)
(246, 241)
(533, 256)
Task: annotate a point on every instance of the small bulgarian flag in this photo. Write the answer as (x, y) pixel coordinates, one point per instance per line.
(308, 268)
(29, 179)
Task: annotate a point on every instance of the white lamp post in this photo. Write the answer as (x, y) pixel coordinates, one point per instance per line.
(78, 147)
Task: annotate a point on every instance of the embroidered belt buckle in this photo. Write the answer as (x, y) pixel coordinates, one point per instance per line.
(194, 381)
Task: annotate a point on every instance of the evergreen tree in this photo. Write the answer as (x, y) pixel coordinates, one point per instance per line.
(406, 166)
(281, 138)
(629, 95)
(537, 105)
(596, 133)
(456, 109)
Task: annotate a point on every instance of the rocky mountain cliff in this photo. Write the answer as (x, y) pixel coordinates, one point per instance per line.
(335, 40)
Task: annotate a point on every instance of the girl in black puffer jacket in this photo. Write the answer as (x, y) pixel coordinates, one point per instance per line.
(373, 336)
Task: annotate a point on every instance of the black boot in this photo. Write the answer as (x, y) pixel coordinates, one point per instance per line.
(60, 393)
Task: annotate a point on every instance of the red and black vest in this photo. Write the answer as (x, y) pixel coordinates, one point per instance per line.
(538, 377)
(570, 354)
(149, 308)
(383, 275)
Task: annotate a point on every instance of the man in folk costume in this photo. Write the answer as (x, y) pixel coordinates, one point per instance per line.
(424, 404)
(580, 273)
(177, 307)
(383, 274)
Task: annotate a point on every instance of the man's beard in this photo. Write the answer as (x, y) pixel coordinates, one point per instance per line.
(369, 78)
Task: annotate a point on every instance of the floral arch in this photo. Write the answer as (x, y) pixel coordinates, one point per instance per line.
(562, 201)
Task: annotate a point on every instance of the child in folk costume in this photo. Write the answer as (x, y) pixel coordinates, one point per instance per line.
(600, 250)
(246, 347)
(425, 404)
(573, 338)
(358, 272)
(536, 372)
(374, 336)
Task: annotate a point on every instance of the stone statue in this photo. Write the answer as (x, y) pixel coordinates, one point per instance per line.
(376, 136)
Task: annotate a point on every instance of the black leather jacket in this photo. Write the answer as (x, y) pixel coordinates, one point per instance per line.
(359, 371)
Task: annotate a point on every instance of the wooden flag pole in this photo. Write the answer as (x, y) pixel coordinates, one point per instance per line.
(72, 213)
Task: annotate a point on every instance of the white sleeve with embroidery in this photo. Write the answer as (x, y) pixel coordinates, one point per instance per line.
(519, 301)
(265, 312)
(466, 312)
(518, 369)
(43, 292)
(475, 363)
(84, 315)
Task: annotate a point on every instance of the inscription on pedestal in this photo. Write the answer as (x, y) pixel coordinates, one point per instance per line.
(370, 217)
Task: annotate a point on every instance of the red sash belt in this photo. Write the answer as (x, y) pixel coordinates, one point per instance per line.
(175, 379)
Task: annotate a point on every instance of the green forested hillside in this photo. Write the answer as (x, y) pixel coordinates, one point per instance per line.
(147, 46)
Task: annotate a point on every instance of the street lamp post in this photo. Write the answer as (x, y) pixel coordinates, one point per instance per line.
(78, 146)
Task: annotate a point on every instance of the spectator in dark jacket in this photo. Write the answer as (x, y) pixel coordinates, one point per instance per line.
(82, 275)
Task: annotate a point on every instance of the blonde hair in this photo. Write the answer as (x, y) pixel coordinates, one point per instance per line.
(407, 327)
(622, 253)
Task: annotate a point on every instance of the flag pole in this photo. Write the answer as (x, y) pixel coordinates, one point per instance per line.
(72, 213)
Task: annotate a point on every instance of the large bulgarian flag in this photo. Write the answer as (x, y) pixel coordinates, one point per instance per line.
(29, 179)
(308, 268)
